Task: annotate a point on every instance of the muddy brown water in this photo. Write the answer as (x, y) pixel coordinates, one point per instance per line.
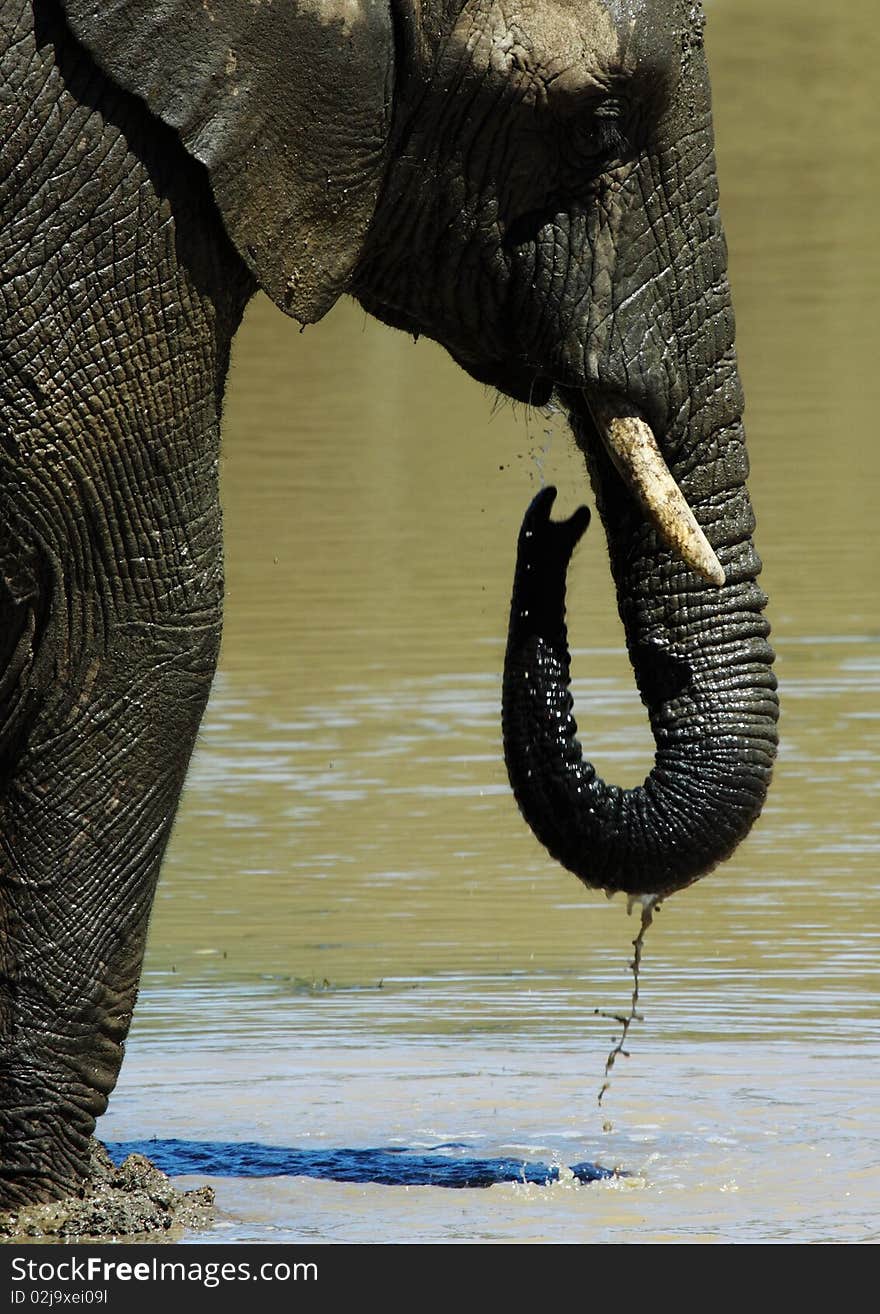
(357, 944)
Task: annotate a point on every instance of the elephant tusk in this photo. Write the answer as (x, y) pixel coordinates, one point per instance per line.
(633, 449)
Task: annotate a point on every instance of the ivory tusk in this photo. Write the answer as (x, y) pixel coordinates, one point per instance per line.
(633, 449)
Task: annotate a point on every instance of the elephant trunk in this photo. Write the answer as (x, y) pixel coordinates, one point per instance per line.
(702, 663)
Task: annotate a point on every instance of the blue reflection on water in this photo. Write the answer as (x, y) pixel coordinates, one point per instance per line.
(388, 1166)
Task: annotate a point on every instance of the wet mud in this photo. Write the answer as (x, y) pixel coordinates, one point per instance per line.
(134, 1199)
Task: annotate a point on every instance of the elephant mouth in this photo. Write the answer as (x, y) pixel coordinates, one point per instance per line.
(630, 443)
(522, 385)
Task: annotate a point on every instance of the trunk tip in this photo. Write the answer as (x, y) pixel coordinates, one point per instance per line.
(563, 535)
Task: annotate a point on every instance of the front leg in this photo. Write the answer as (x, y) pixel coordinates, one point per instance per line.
(121, 294)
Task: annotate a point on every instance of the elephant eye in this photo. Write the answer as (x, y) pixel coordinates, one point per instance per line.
(600, 136)
(610, 135)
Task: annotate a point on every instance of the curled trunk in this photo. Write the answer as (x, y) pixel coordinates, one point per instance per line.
(703, 666)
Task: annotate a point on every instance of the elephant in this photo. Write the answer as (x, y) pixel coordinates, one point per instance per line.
(532, 185)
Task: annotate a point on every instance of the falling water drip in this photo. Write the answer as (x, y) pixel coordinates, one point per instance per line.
(650, 903)
(541, 452)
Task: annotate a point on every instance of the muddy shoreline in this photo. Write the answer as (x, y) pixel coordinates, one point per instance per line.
(135, 1199)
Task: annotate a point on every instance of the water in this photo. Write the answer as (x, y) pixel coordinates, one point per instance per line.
(356, 943)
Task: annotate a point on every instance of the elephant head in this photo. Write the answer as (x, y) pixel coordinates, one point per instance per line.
(530, 184)
(564, 240)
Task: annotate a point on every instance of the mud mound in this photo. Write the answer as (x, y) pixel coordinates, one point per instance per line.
(130, 1200)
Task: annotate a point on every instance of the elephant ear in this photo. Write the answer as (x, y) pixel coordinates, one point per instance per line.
(287, 103)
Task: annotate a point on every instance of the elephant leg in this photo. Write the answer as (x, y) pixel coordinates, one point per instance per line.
(112, 362)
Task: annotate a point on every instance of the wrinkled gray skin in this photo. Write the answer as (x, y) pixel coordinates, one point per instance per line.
(531, 184)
